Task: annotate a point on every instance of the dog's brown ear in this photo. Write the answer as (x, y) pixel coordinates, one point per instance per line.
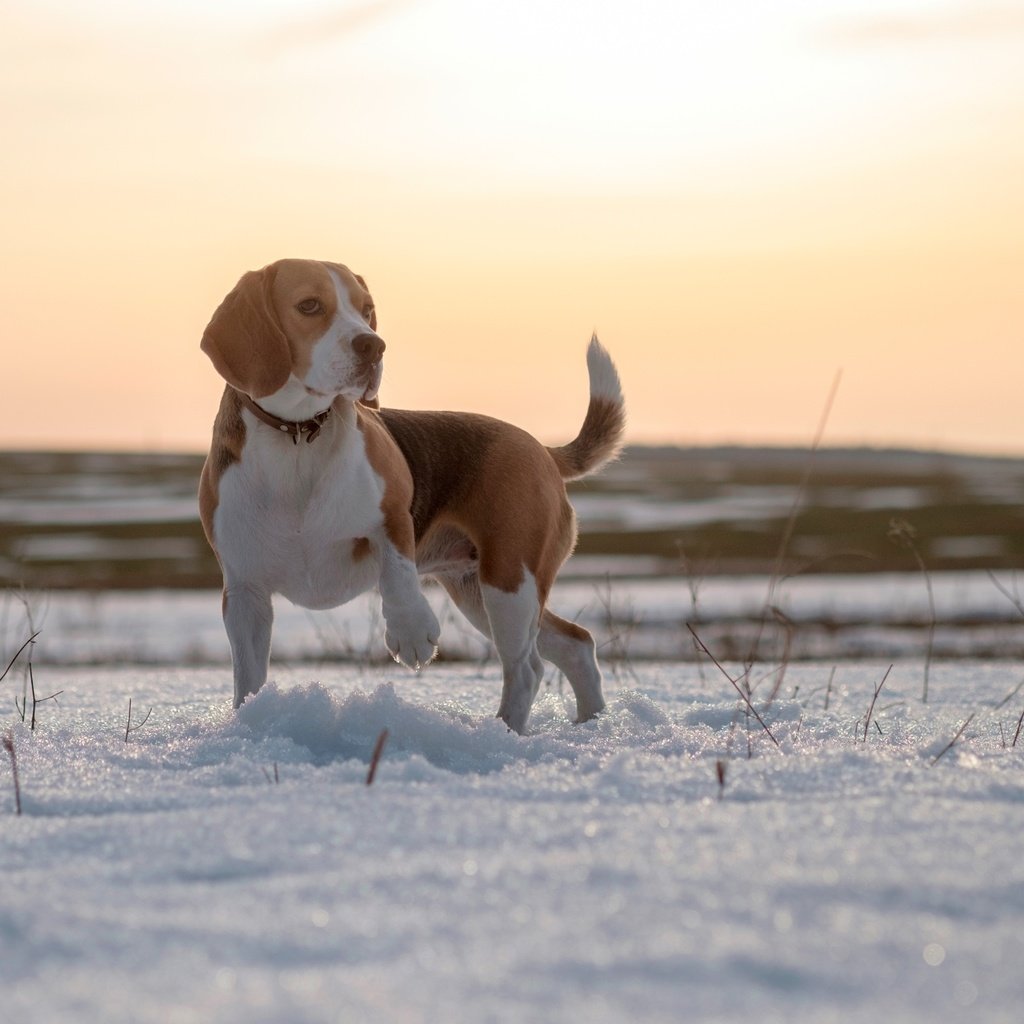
(373, 312)
(244, 339)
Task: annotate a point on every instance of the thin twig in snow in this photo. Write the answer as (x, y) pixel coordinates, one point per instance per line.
(871, 706)
(22, 708)
(1016, 735)
(959, 733)
(787, 533)
(1013, 693)
(735, 683)
(1009, 595)
(902, 532)
(8, 743)
(128, 728)
(10, 664)
(378, 750)
(828, 689)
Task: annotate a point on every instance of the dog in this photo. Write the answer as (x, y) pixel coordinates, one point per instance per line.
(312, 491)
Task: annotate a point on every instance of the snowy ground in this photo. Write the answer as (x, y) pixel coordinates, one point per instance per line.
(581, 873)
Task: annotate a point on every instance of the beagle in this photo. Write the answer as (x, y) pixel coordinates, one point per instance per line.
(311, 491)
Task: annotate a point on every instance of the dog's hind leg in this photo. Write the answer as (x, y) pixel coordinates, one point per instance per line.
(514, 618)
(248, 620)
(565, 644)
(464, 590)
(571, 648)
(511, 619)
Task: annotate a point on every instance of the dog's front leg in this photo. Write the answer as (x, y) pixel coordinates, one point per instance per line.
(248, 619)
(412, 629)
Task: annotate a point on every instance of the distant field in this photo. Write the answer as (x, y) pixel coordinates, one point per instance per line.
(115, 521)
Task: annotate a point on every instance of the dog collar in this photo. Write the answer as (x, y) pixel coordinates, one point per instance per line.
(310, 428)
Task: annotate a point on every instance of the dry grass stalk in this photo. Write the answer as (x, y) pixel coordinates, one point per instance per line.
(1016, 735)
(8, 742)
(1011, 596)
(739, 689)
(693, 584)
(720, 775)
(128, 727)
(949, 746)
(619, 629)
(828, 689)
(30, 688)
(378, 750)
(10, 664)
(788, 627)
(1013, 693)
(787, 534)
(901, 532)
(871, 706)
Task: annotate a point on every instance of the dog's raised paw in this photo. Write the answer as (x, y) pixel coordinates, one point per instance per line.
(414, 654)
(412, 641)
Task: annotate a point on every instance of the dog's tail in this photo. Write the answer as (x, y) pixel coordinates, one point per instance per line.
(600, 438)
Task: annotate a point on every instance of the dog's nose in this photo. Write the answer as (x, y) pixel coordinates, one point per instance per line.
(369, 348)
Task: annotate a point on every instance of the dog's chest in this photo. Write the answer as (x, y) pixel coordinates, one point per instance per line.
(293, 518)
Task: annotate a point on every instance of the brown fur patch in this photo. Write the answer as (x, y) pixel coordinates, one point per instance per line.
(244, 339)
(565, 627)
(386, 459)
(493, 482)
(598, 441)
(225, 450)
(360, 548)
(297, 281)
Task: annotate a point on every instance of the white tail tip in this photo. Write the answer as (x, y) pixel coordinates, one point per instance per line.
(604, 378)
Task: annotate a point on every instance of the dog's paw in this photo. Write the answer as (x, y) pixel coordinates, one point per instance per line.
(412, 639)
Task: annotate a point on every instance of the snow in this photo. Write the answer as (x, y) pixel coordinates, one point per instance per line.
(580, 873)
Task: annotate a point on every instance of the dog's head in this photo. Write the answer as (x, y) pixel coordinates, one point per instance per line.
(300, 323)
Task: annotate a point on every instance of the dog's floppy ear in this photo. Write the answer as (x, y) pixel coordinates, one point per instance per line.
(373, 311)
(244, 339)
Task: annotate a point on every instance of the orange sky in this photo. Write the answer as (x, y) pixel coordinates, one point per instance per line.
(742, 198)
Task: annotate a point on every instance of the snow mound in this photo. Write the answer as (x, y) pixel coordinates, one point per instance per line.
(325, 728)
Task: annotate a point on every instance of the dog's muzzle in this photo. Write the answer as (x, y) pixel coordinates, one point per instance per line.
(368, 348)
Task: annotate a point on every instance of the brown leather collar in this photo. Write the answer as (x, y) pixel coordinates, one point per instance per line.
(310, 428)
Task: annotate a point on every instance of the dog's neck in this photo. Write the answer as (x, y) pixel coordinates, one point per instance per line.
(292, 410)
(293, 403)
(307, 429)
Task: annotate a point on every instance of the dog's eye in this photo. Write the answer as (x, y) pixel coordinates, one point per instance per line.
(309, 307)
(368, 311)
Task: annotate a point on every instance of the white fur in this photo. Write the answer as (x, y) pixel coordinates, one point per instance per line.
(293, 402)
(514, 620)
(412, 631)
(335, 369)
(287, 521)
(577, 659)
(604, 378)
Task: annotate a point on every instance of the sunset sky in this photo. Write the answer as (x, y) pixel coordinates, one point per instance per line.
(743, 198)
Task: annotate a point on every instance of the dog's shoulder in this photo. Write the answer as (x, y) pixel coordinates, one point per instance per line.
(225, 451)
(228, 433)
